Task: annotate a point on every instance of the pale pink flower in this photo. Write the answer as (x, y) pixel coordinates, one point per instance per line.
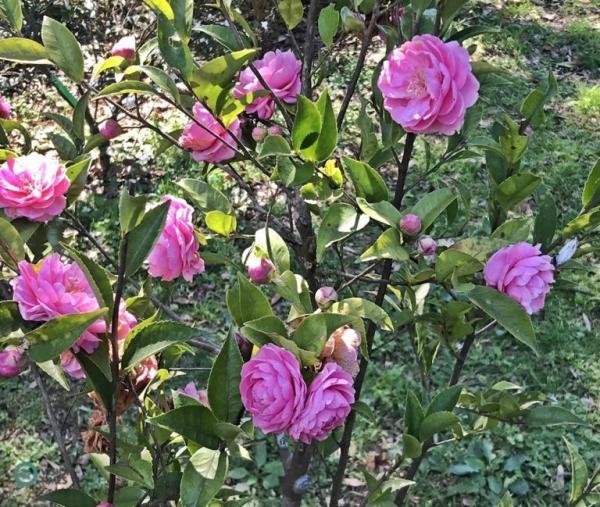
(10, 358)
(258, 134)
(427, 85)
(176, 252)
(71, 366)
(325, 297)
(522, 273)
(5, 109)
(426, 246)
(110, 129)
(342, 348)
(281, 71)
(192, 391)
(260, 269)
(272, 388)
(328, 403)
(410, 224)
(207, 147)
(144, 372)
(274, 130)
(34, 187)
(124, 47)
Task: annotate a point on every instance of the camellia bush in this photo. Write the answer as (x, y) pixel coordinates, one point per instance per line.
(292, 366)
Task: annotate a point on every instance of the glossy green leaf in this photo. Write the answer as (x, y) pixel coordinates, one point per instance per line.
(223, 35)
(194, 422)
(221, 70)
(340, 221)
(329, 20)
(161, 7)
(77, 174)
(131, 210)
(96, 378)
(55, 372)
(291, 11)
(111, 62)
(10, 318)
(545, 222)
(445, 400)
(327, 139)
(315, 330)
(124, 87)
(79, 116)
(366, 180)
(57, 335)
(294, 288)
(12, 248)
(20, 50)
(507, 312)
(516, 188)
(360, 307)
(436, 422)
(384, 212)
(62, 48)
(204, 196)
(413, 414)
(246, 302)
(387, 246)
(173, 48)
(159, 77)
(589, 221)
(455, 262)
(221, 223)
(64, 146)
(184, 17)
(274, 145)
(513, 231)
(550, 415)
(591, 190)
(432, 205)
(307, 126)
(70, 498)
(411, 446)
(224, 382)
(11, 11)
(198, 491)
(579, 472)
(274, 246)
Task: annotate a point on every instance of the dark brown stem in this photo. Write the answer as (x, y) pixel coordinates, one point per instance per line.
(309, 48)
(336, 489)
(292, 487)
(438, 17)
(114, 367)
(58, 437)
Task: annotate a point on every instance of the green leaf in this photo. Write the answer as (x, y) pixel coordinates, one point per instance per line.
(532, 108)
(144, 236)
(184, 17)
(545, 222)
(432, 205)
(94, 141)
(70, 498)
(516, 188)
(359, 307)
(291, 11)
(64, 146)
(12, 248)
(20, 50)
(294, 288)
(79, 116)
(340, 221)
(591, 190)
(455, 262)
(274, 145)
(509, 314)
(274, 246)
(384, 212)
(123, 87)
(159, 77)
(307, 126)
(198, 491)
(173, 48)
(204, 196)
(221, 70)
(450, 9)
(224, 382)
(329, 20)
(246, 302)
(220, 222)
(589, 220)
(579, 472)
(10, 10)
(513, 231)
(161, 7)
(10, 318)
(206, 462)
(413, 414)
(55, 372)
(77, 174)
(436, 423)
(327, 139)
(154, 338)
(134, 471)
(387, 246)
(549, 416)
(62, 48)
(131, 209)
(445, 400)
(411, 446)
(315, 330)
(264, 330)
(194, 422)
(366, 180)
(223, 35)
(57, 335)
(96, 377)
(109, 63)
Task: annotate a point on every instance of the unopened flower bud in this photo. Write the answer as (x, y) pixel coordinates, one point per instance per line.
(275, 130)
(258, 134)
(245, 346)
(110, 129)
(10, 358)
(325, 297)
(352, 21)
(426, 245)
(5, 109)
(566, 252)
(410, 224)
(260, 269)
(125, 48)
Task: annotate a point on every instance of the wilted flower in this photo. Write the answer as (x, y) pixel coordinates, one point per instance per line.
(342, 348)
(245, 346)
(71, 366)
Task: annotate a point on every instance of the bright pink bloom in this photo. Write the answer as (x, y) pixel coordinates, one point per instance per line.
(410, 224)
(328, 403)
(426, 245)
(192, 391)
(342, 348)
(272, 388)
(258, 134)
(274, 130)
(202, 142)
(325, 297)
(110, 129)
(5, 109)
(125, 47)
(176, 252)
(71, 366)
(281, 71)
(10, 358)
(521, 272)
(260, 269)
(34, 187)
(427, 85)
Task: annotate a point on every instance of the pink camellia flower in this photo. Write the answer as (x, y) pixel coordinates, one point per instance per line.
(110, 129)
(105, 504)
(328, 403)
(71, 366)
(410, 224)
(125, 47)
(426, 245)
(521, 272)
(274, 130)
(427, 85)
(272, 388)
(192, 391)
(34, 187)
(205, 146)
(258, 134)
(342, 348)
(260, 269)
(325, 297)
(10, 358)
(176, 252)
(144, 372)
(5, 109)
(281, 71)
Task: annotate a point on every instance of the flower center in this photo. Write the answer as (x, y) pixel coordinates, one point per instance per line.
(417, 87)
